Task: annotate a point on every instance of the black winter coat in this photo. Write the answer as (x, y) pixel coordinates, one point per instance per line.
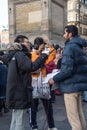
(3, 80)
(19, 89)
(73, 72)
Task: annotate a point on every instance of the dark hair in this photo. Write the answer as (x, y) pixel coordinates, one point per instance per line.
(1, 53)
(56, 46)
(37, 42)
(31, 46)
(72, 29)
(20, 38)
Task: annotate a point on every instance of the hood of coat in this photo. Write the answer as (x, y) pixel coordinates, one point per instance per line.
(78, 40)
(14, 47)
(11, 50)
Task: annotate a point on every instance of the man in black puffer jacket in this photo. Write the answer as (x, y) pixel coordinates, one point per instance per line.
(72, 77)
(19, 89)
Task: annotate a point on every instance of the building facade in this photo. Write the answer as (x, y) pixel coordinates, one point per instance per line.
(4, 38)
(77, 14)
(34, 18)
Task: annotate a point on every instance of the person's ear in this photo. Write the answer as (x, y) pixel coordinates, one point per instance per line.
(70, 34)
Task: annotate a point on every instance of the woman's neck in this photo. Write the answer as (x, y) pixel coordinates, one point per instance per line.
(36, 52)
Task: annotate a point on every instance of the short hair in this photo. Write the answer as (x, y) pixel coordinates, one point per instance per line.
(20, 38)
(72, 29)
(56, 46)
(38, 41)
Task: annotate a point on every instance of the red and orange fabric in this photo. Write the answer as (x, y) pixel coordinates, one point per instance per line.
(52, 55)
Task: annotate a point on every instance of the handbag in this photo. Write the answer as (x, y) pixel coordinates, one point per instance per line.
(40, 89)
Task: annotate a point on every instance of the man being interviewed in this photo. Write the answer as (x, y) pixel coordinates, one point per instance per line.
(72, 77)
(19, 88)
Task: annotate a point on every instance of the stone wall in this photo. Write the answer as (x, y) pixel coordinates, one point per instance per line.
(58, 20)
(28, 17)
(33, 18)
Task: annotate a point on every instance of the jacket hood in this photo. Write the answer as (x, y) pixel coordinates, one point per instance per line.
(14, 47)
(11, 50)
(78, 40)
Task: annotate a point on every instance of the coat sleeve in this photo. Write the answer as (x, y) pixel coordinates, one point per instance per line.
(39, 62)
(67, 63)
(23, 62)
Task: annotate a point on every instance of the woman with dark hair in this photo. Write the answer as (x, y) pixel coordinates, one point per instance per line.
(39, 46)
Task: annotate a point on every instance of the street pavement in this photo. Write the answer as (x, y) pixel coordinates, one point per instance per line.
(60, 117)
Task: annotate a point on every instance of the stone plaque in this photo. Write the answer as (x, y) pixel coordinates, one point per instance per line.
(28, 16)
(34, 16)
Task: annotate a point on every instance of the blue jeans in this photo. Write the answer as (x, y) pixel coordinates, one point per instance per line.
(48, 110)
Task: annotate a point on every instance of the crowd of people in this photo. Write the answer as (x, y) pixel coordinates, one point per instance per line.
(25, 66)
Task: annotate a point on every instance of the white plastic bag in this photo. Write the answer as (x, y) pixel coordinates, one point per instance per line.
(40, 89)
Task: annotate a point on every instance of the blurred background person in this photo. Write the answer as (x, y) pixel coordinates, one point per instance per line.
(3, 82)
(50, 65)
(57, 61)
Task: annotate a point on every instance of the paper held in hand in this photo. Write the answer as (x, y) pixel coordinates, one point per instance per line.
(54, 72)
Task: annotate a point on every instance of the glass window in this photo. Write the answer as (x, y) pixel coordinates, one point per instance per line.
(84, 31)
(80, 19)
(85, 20)
(80, 30)
(83, 1)
(70, 5)
(70, 17)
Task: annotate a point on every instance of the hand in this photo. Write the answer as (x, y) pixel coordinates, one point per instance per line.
(51, 81)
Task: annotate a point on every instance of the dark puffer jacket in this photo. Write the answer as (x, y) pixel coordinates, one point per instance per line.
(19, 89)
(73, 72)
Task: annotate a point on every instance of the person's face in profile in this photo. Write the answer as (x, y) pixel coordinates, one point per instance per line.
(26, 43)
(67, 36)
(41, 48)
